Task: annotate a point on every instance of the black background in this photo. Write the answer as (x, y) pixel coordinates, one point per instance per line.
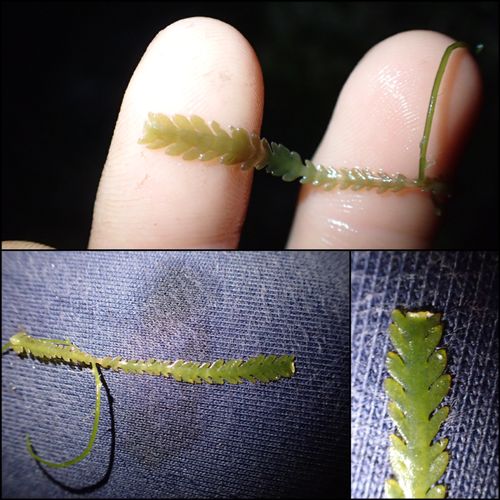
(66, 67)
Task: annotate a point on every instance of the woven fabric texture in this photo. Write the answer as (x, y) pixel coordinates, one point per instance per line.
(464, 287)
(162, 438)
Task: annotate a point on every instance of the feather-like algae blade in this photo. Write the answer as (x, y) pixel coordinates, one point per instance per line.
(416, 389)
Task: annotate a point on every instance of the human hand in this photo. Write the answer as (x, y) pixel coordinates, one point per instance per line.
(202, 66)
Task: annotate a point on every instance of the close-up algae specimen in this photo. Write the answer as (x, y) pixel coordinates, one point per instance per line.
(416, 389)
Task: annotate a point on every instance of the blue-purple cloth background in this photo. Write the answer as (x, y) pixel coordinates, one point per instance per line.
(464, 287)
(159, 437)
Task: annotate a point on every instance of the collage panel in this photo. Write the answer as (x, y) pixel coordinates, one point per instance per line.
(267, 125)
(424, 381)
(136, 364)
(218, 374)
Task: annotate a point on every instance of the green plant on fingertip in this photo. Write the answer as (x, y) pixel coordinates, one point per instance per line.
(195, 139)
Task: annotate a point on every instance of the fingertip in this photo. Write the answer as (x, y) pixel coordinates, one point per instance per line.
(199, 65)
(195, 66)
(378, 124)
